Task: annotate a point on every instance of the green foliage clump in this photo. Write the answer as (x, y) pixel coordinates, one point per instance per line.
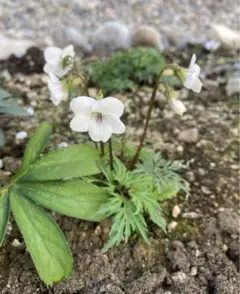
(125, 69)
(136, 193)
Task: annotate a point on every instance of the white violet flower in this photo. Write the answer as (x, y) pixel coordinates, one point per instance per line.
(192, 81)
(59, 61)
(57, 89)
(177, 106)
(100, 118)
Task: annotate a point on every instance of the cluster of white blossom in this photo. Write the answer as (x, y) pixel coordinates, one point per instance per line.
(100, 118)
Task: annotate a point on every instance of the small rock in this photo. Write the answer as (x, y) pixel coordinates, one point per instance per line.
(147, 36)
(111, 36)
(193, 271)
(172, 226)
(21, 135)
(18, 245)
(1, 164)
(17, 47)
(233, 84)
(176, 211)
(189, 135)
(205, 190)
(228, 221)
(62, 145)
(201, 172)
(229, 38)
(190, 176)
(179, 277)
(30, 111)
(191, 215)
(71, 35)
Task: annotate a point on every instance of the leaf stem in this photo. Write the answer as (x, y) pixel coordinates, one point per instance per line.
(150, 108)
(110, 154)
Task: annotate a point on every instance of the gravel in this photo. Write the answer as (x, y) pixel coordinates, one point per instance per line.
(39, 20)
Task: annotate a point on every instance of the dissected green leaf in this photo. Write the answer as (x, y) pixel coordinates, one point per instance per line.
(168, 191)
(70, 162)
(1, 138)
(36, 144)
(75, 198)
(45, 241)
(4, 213)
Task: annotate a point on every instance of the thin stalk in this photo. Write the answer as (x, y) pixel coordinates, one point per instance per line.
(110, 154)
(150, 108)
(102, 148)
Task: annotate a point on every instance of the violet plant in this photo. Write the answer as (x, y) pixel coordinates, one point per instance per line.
(90, 182)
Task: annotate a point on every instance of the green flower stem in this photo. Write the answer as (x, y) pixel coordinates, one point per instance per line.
(110, 154)
(150, 108)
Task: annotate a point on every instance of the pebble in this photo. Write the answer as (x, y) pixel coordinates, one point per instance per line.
(62, 145)
(30, 111)
(201, 172)
(176, 211)
(191, 215)
(110, 37)
(17, 47)
(172, 226)
(193, 271)
(1, 163)
(190, 176)
(18, 245)
(21, 135)
(205, 190)
(179, 277)
(189, 135)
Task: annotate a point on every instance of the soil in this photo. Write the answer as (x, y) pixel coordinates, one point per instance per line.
(201, 255)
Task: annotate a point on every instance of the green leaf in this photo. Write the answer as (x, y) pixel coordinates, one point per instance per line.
(1, 138)
(7, 108)
(70, 162)
(45, 241)
(168, 191)
(36, 144)
(75, 198)
(4, 94)
(4, 213)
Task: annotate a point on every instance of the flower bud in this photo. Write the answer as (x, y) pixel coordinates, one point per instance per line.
(177, 106)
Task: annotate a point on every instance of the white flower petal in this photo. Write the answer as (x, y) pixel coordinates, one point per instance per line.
(117, 126)
(197, 69)
(193, 60)
(82, 104)
(177, 106)
(197, 85)
(80, 123)
(109, 105)
(52, 55)
(99, 130)
(56, 89)
(68, 51)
